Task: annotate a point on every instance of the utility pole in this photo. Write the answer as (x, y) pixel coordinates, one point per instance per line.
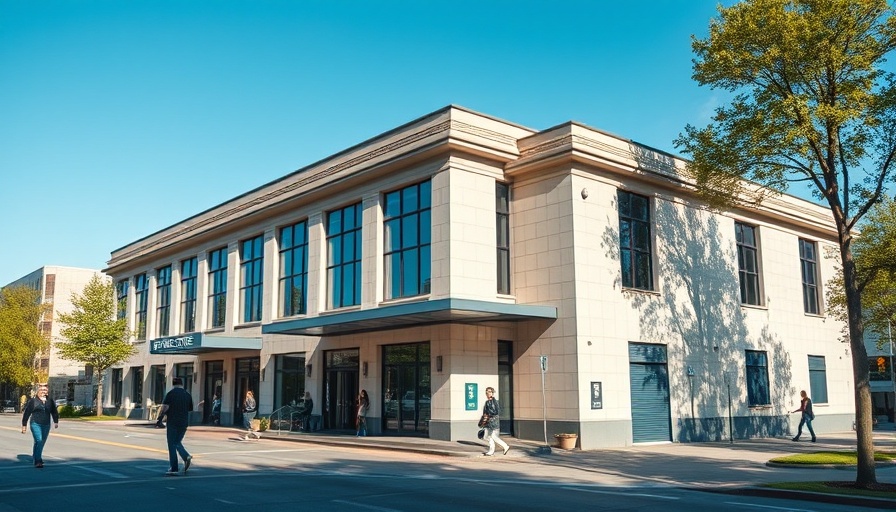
(892, 371)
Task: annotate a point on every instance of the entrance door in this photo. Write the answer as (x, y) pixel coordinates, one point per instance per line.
(340, 388)
(505, 385)
(214, 380)
(649, 378)
(247, 376)
(406, 388)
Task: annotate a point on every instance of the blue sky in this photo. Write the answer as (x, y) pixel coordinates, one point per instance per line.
(120, 118)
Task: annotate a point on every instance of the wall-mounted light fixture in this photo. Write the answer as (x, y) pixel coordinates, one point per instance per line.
(364, 368)
(195, 377)
(262, 374)
(439, 364)
(308, 369)
(225, 375)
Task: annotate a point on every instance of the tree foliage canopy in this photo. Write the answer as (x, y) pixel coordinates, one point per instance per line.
(21, 340)
(875, 253)
(811, 103)
(94, 335)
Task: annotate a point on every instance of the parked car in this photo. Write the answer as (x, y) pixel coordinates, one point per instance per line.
(61, 402)
(8, 406)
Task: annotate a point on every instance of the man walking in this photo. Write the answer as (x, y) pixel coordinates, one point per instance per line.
(177, 406)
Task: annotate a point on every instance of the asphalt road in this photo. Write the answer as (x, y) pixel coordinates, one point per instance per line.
(92, 466)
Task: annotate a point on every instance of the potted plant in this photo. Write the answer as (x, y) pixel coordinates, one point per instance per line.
(260, 424)
(566, 441)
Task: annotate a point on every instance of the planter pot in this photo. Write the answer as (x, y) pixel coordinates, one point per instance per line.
(258, 426)
(566, 441)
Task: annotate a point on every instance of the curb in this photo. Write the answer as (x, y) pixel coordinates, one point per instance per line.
(834, 499)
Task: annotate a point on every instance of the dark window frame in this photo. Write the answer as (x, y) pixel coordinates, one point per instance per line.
(217, 285)
(163, 300)
(748, 264)
(344, 228)
(189, 269)
(141, 292)
(757, 379)
(502, 242)
(809, 276)
(407, 241)
(252, 278)
(294, 269)
(635, 241)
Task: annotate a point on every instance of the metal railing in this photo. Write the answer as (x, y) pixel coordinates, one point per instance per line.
(288, 418)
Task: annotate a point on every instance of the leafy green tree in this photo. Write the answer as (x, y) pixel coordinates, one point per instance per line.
(875, 254)
(95, 335)
(810, 104)
(21, 340)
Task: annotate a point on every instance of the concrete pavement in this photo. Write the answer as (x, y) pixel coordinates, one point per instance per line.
(739, 467)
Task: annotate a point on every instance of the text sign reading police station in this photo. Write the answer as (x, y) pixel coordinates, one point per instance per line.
(471, 396)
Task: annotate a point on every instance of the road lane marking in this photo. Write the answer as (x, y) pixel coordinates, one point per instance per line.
(109, 443)
(366, 506)
(743, 504)
(110, 474)
(641, 494)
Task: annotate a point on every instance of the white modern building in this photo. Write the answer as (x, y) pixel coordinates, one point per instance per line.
(461, 251)
(66, 379)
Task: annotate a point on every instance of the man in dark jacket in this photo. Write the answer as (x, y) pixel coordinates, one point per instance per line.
(177, 406)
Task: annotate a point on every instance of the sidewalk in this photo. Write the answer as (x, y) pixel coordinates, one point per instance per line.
(737, 468)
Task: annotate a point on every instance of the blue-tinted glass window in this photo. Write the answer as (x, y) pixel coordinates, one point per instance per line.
(251, 271)
(747, 263)
(635, 241)
(217, 285)
(809, 275)
(818, 380)
(344, 257)
(163, 300)
(293, 269)
(407, 240)
(502, 225)
(757, 378)
(121, 294)
(188, 271)
(141, 289)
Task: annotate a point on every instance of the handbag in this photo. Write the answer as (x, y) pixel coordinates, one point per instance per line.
(481, 434)
(483, 421)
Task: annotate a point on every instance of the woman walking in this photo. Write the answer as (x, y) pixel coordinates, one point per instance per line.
(363, 408)
(40, 410)
(249, 409)
(493, 427)
(806, 416)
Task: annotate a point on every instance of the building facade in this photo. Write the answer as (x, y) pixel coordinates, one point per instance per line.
(66, 379)
(572, 270)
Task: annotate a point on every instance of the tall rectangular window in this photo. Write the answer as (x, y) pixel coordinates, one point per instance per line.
(502, 220)
(809, 272)
(818, 380)
(635, 241)
(141, 289)
(344, 257)
(251, 277)
(757, 378)
(407, 232)
(747, 263)
(163, 300)
(293, 269)
(188, 270)
(217, 279)
(115, 391)
(121, 296)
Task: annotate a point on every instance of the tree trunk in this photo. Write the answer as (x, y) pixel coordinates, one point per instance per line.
(99, 393)
(865, 470)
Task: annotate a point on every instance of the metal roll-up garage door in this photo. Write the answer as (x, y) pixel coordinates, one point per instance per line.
(648, 373)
